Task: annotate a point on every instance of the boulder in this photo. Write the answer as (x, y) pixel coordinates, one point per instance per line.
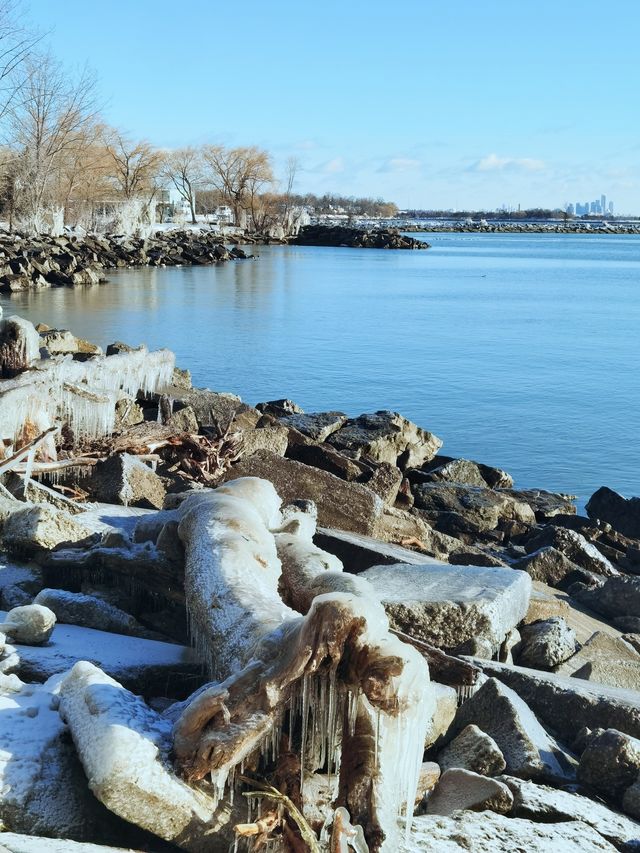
(357, 552)
(213, 408)
(550, 566)
(279, 408)
(348, 506)
(473, 750)
(272, 438)
(545, 603)
(618, 596)
(461, 471)
(462, 789)
(123, 479)
(76, 608)
(327, 458)
(455, 508)
(446, 709)
(488, 832)
(124, 747)
(621, 513)
(153, 668)
(546, 505)
(529, 751)
(549, 805)
(19, 346)
(574, 546)
(631, 800)
(566, 705)
(317, 426)
(610, 763)
(546, 643)
(30, 624)
(448, 605)
(59, 341)
(41, 527)
(607, 660)
(13, 842)
(386, 436)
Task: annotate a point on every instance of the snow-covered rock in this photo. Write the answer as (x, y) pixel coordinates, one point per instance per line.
(124, 747)
(148, 666)
(43, 789)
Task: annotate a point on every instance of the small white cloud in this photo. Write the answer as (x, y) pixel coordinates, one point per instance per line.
(399, 164)
(493, 163)
(334, 167)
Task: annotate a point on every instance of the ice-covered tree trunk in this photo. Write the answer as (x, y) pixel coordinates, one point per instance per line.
(329, 672)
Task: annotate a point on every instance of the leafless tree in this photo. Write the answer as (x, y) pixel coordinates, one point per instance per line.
(50, 121)
(239, 173)
(135, 165)
(183, 169)
(16, 43)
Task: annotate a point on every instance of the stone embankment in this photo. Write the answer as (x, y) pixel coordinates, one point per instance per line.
(343, 582)
(487, 226)
(28, 262)
(356, 238)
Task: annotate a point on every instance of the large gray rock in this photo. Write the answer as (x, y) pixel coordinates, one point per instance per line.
(19, 347)
(529, 751)
(124, 479)
(386, 437)
(35, 529)
(631, 800)
(347, 506)
(357, 552)
(574, 546)
(455, 508)
(13, 842)
(621, 513)
(549, 805)
(272, 438)
(488, 832)
(545, 504)
(473, 750)
(316, 425)
(607, 660)
(75, 608)
(567, 705)
(461, 471)
(124, 747)
(618, 596)
(549, 566)
(546, 643)
(212, 408)
(610, 763)
(449, 605)
(463, 789)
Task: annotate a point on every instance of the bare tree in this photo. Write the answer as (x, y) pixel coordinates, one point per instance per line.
(239, 173)
(16, 43)
(135, 165)
(182, 168)
(50, 120)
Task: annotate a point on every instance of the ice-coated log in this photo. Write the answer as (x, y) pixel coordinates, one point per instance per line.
(361, 696)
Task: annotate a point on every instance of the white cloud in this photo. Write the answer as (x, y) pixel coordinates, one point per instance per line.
(493, 163)
(334, 167)
(400, 164)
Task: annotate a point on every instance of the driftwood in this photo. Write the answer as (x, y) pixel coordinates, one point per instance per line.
(11, 464)
(336, 678)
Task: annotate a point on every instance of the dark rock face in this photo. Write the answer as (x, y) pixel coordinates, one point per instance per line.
(549, 566)
(618, 596)
(356, 238)
(574, 546)
(621, 513)
(123, 479)
(610, 762)
(455, 508)
(42, 261)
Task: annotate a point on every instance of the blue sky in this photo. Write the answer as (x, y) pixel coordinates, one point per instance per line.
(430, 104)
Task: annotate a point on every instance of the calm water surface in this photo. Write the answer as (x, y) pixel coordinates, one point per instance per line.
(518, 350)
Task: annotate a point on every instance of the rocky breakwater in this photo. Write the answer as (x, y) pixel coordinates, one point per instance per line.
(34, 262)
(356, 238)
(488, 226)
(229, 626)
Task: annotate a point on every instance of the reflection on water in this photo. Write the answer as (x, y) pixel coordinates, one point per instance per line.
(519, 350)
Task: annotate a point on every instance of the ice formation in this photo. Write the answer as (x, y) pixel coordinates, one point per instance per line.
(82, 394)
(355, 699)
(31, 624)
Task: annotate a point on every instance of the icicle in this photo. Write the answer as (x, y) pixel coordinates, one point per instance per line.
(28, 469)
(305, 715)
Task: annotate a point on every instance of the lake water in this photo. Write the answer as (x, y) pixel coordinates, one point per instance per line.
(518, 350)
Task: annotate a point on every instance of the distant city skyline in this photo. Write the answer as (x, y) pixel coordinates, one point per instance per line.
(434, 106)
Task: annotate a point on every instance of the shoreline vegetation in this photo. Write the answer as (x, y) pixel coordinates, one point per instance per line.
(381, 634)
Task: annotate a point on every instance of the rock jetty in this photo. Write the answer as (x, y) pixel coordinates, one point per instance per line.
(28, 262)
(258, 628)
(356, 238)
